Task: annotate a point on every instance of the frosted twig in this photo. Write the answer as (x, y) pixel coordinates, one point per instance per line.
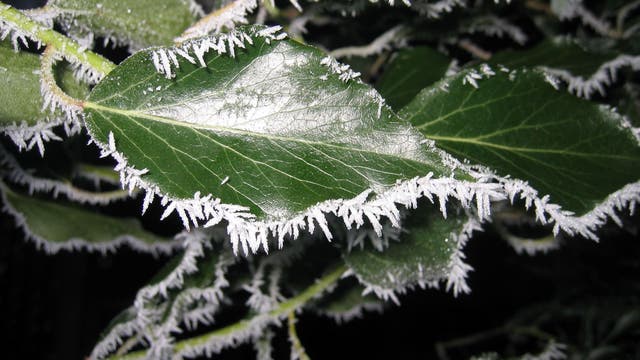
(386, 41)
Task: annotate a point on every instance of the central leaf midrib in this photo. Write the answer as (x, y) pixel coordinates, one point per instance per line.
(160, 119)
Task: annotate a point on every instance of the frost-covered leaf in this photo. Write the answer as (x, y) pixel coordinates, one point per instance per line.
(515, 123)
(410, 71)
(139, 23)
(430, 250)
(276, 129)
(584, 69)
(54, 227)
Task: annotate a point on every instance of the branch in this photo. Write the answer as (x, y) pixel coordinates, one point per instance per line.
(70, 49)
(283, 309)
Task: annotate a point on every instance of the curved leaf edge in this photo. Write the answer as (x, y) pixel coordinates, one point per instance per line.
(246, 232)
(80, 244)
(604, 76)
(455, 280)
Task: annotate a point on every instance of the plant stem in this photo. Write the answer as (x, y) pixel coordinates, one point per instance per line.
(296, 345)
(284, 309)
(69, 48)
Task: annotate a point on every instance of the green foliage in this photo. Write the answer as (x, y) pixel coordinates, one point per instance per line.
(267, 144)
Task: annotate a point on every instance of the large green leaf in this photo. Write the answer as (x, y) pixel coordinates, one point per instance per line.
(271, 129)
(55, 226)
(140, 23)
(427, 252)
(517, 124)
(410, 71)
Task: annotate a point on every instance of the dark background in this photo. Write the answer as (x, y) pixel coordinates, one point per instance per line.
(54, 307)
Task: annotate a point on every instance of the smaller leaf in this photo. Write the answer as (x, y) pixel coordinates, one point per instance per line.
(586, 69)
(55, 227)
(410, 71)
(427, 253)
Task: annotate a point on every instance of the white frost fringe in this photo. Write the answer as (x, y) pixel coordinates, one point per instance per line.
(553, 351)
(116, 336)
(250, 234)
(166, 60)
(603, 77)
(388, 39)
(160, 338)
(356, 312)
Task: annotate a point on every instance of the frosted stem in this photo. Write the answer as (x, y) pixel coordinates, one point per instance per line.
(69, 48)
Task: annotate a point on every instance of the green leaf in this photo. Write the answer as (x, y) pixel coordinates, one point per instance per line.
(427, 252)
(19, 87)
(410, 71)
(271, 129)
(56, 226)
(558, 53)
(139, 23)
(575, 151)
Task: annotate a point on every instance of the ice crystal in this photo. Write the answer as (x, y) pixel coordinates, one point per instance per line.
(165, 60)
(598, 81)
(343, 71)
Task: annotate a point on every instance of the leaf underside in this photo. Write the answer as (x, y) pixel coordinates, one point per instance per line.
(58, 224)
(141, 23)
(270, 129)
(558, 53)
(517, 124)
